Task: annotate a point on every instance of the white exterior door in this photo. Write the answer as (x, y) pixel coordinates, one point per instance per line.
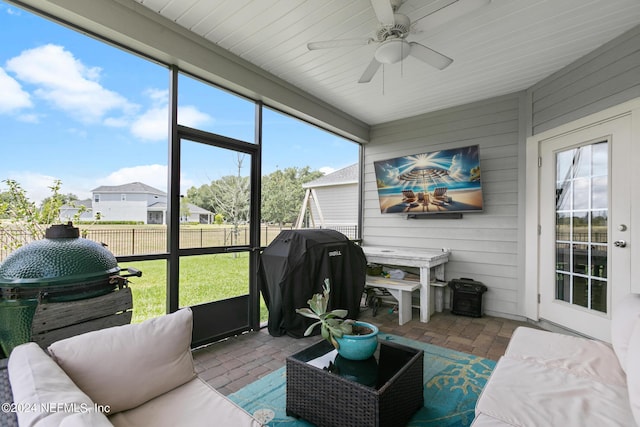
(585, 225)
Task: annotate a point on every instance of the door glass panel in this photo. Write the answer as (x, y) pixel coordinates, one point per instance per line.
(206, 278)
(581, 226)
(599, 295)
(563, 290)
(215, 196)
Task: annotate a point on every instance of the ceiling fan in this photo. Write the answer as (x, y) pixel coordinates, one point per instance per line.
(393, 31)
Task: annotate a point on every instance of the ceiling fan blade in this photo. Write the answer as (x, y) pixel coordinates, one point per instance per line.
(371, 70)
(328, 44)
(430, 56)
(448, 13)
(383, 11)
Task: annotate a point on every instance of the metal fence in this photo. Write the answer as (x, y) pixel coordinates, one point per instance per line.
(153, 240)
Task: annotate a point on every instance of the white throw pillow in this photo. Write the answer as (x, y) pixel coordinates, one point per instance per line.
(625, 314)
(49, 394)
(125, 366)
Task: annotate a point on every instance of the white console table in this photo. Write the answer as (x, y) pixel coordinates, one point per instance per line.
(425, 259)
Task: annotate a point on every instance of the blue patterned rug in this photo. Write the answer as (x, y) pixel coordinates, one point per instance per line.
(452, 384)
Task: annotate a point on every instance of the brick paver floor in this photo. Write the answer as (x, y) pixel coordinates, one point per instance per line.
(231, 364)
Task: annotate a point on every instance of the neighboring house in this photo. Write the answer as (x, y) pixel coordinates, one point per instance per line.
(67, 212)
(331, 200)
(132, 202)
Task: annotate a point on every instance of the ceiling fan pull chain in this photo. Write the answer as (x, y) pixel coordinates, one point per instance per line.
(383, 68)
(402, 48)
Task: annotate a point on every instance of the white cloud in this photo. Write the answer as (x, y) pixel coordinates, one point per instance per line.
(13, 96)
(35, 185)
(67, 83)
(28, 118)
(152, 125)
(153, 175)
(73, 87)
(456, 169)
(327, 170)
(158, 96)
(192, 117)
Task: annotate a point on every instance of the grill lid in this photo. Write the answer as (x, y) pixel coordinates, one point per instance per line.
(62, 257)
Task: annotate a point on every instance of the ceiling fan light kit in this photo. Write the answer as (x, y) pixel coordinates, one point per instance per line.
(392, 33)
(392, 51)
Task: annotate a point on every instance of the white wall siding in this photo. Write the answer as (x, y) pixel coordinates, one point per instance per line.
(484, 245)
(605, 77)
(121, 211)
(339, 204)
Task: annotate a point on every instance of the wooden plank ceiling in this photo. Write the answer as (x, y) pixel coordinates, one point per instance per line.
(503, 47)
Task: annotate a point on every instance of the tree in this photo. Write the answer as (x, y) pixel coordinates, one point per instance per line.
(185, 212)
(202, 196)
(65, 199)
(282, 193)
(27, 221)
(228, 196)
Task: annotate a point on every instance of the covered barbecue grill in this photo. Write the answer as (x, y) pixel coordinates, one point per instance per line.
(62, 267)
(293, 268)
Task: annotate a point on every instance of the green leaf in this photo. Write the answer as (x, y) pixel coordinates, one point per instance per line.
(336, 331)
(307, 313)
(310, 329)
(325, 332)
(347, 328)
(335, 343)
(339, 313)
(316, 303)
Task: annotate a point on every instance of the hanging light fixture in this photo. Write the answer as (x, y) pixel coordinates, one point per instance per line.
(392, 51)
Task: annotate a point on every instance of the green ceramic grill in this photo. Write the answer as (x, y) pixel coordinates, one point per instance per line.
(61, 267)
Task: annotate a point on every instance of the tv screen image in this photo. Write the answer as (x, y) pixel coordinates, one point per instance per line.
(444, 181)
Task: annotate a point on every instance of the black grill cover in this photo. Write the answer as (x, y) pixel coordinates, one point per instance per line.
(293, 268)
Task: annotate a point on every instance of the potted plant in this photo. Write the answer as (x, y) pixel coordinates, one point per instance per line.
(354, 340)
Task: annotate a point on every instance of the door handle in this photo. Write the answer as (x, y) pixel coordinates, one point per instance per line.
(620, 244)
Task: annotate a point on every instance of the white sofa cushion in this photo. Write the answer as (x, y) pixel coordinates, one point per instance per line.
(625, 315)
(581, 356)
(521, 393)
(193, 404)
(633, 372)
(483, 420)
(51, 397)
(125, 366)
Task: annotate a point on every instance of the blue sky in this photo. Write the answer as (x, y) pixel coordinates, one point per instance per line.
(76, 109)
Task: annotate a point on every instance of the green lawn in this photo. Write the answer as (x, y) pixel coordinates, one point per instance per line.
(202, 279)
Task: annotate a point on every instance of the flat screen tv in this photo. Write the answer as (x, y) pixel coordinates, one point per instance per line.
(445, 181)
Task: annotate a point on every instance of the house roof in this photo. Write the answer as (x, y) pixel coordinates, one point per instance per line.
(348, 175)
(193, 209)
(86, 202)
(132, 187)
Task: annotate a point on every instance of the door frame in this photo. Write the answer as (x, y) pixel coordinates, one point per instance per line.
(215, 320)
(533, 193)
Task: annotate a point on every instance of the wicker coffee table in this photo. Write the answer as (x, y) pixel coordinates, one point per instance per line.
(327, 399)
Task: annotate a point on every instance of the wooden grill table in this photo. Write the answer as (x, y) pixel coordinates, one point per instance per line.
(425, 260)
(330, 399)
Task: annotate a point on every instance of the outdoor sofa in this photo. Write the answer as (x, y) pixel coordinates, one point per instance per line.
(131, 375)
(553, 379)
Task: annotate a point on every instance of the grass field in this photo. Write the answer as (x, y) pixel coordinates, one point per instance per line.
(202, 279)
